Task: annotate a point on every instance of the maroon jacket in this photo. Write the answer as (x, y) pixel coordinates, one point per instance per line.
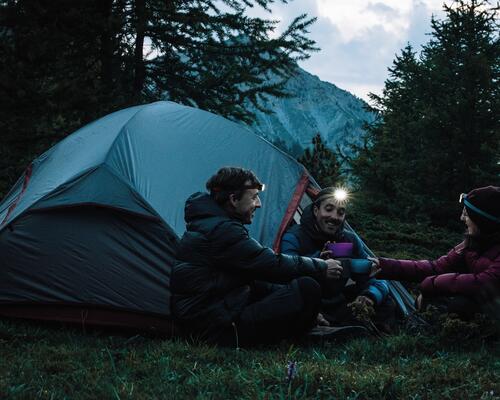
(461, 271)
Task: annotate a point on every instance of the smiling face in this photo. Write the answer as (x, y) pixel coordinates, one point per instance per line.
(244, 208)
(472, 228)
(329, 216)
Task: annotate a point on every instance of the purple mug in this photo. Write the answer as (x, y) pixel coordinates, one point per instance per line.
(340, 249)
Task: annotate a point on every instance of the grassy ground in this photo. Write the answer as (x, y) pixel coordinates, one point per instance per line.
(450, 361)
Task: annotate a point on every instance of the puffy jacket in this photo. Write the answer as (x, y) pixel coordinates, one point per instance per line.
(218, 262)
(462, 271)
(306, 240)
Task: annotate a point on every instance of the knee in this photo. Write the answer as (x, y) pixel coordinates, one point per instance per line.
(310, 290)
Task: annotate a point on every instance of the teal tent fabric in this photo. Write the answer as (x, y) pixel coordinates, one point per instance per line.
(95, 220)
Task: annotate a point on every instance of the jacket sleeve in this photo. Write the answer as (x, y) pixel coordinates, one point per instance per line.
(417, 271)
(290, 245)
(467, 284)
(377, 290)
(234, 251)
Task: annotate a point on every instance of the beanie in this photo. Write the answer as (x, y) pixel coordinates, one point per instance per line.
(483, 208)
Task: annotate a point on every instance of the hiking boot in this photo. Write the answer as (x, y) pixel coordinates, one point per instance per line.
(337, 332)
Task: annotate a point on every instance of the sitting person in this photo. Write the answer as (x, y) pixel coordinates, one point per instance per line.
(467, 279)
(229, 289)
(322, 223)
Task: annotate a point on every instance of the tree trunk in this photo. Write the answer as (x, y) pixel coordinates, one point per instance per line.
(139, 67)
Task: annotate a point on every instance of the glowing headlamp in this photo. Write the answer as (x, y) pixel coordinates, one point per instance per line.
(340, 195)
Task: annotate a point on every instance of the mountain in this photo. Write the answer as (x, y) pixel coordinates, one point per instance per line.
(316, 107)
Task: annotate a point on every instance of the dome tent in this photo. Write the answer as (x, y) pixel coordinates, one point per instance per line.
(88, 233)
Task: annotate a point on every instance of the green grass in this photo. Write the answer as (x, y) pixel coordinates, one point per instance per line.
(449, 361)
(53, 363)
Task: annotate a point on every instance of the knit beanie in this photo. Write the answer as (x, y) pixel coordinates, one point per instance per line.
(483, 208)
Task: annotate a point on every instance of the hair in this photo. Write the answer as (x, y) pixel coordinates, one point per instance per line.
(324, 194)
(231, 180)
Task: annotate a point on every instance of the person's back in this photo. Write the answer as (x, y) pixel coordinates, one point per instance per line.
(226, 286)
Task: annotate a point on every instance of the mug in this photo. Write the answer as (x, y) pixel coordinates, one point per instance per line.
(340, 249)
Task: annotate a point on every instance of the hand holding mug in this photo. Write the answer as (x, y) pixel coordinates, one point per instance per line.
(334, 270)
(326, 253)
(375, 266)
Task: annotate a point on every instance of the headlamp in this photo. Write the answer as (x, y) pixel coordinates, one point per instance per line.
(468, 204)
(340, 195)
(259, 186)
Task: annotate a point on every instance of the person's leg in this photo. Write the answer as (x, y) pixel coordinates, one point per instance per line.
(464, 307)
(288, 311)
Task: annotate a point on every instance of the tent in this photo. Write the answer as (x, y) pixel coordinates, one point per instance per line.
(88, 233)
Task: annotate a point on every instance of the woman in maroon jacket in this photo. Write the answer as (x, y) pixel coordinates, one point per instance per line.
(467, 279)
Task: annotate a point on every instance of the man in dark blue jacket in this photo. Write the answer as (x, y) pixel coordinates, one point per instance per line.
(229, 289)
(321, 223)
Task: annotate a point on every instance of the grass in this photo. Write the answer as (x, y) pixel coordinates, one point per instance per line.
(449, 361)
(52, 363)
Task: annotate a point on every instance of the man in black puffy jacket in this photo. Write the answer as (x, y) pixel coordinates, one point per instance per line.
(229, 289)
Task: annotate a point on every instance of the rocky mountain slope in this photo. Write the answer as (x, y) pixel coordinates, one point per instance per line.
(316, 107)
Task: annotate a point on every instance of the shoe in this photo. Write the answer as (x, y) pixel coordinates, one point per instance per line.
(337, 332)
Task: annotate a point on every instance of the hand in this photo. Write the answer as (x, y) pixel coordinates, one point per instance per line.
(334, 270)
(364, 300)
(325, 253)
(375, 266)
(321, 320)
(419, 301)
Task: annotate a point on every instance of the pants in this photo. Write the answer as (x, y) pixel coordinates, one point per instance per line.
(465, 307)
(275, 312)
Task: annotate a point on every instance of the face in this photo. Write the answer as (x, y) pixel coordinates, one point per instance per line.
(472, 228)
(329, 216)
(244, 208)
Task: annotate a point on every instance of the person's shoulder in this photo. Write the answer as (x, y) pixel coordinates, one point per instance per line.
(228, 226)
(350, 236)
(294, 230)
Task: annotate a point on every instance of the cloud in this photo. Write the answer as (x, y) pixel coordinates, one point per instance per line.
(359, 39)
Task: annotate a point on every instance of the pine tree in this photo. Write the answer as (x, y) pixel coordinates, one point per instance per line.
(438, 131)
(64, 63)
(216, 59)
(322, 163)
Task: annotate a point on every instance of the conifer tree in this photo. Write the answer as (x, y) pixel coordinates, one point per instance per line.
(322, 163)
(438, 132)
(64, 63)
(214, 58)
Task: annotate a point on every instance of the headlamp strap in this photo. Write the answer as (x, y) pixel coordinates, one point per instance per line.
(468, 204)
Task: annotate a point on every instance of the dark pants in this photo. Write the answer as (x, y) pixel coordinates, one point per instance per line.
(275, 312)
(465, 307)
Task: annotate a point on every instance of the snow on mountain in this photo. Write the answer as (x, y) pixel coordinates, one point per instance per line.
(316, 107)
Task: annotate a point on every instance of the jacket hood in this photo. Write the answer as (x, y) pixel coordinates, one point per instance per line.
(308, 222)
(200, 205)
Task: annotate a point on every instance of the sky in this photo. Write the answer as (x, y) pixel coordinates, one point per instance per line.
(359, 39)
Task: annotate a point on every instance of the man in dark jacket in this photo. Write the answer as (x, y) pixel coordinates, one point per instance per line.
(321, 223)
(226, 287)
